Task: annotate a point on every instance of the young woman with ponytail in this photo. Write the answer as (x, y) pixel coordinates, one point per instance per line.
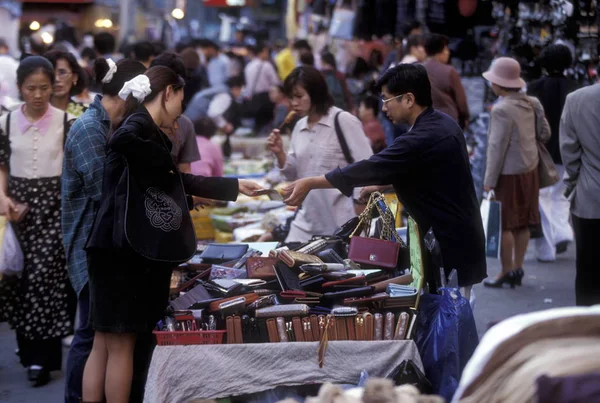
(85, 152)
(129, 290)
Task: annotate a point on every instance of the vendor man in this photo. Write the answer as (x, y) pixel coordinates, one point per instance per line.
(428, 168)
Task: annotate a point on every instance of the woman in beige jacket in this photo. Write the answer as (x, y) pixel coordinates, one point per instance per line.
(517, 123)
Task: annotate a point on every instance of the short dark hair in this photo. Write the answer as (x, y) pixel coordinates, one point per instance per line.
(235, 81)
(55, 55)
(34, 64)
(302, 44)
(89, 53)
(307, 59)
(259, 47)
(206, 43)
(205, 127)
(144, 51)
(315, 85)
(409, 26)
(406, 78)
(435, 44)
(190, 58)
(555, 58)
(104, 43)
(414, 41)
(371, 102)
(159, 47)
(127, 69)
(172, 61)
(329, 58)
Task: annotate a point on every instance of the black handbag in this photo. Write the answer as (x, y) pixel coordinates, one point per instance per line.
(157, 222)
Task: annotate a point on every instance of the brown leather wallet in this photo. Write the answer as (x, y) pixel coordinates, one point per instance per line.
(402, 326)
(341, 327)
(361, 280)
(388, 330)
(282, 330)
(237, 330)
(359, 324)
(378, 323)
(332, 332)
(298, 329)
(230, 331)
(272, 330)
(365, 300)
(369, 326)
(382, 285)
(317, 325)
(250, 298)
(261, 267)
(307, 329)
(294, 259)
(21, 211)
(351, 327)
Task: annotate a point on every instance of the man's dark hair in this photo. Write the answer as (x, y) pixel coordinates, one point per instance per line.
(104, 43)
(144, 51)
(236, 81)
(89, 53)
(555, 58)
(302, 44)
(371, 102)
(259, 47)
(406, 78)
(206, 43)
(435, 44)
(409, 26)
(172, 61)
(313, 82)
(414, 41)
(307, 59)
(329, 59)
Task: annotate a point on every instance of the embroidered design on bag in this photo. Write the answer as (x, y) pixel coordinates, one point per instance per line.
(162, 211)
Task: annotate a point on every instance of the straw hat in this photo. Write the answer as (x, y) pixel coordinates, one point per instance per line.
(505, 72)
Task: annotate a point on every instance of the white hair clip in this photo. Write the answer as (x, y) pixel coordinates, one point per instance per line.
(138, 86)
(112, 69)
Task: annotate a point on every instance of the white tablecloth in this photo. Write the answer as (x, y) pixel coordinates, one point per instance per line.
(179, 374)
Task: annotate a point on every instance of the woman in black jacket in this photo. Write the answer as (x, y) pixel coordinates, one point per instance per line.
(129, 291)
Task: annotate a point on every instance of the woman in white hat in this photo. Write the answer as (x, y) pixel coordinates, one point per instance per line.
(516, 123)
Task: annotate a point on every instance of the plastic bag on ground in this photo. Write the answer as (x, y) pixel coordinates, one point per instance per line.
(11, 255)
(446, 338)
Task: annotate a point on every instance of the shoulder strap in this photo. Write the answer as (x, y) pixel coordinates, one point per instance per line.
(65, 130)
(8, 124)
(535, 116)
(342, 139)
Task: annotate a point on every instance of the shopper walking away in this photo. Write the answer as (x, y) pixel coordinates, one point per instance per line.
(447, 90)
(415, 50)
(442, 198)
(336, 82)
(552, 91)
(31, 155)
(580, 151)
(315, 149)
(517, 122)
(260, 78)
(83, 168)
(128, 291)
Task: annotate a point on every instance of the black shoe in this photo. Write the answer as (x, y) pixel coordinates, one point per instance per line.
(508, 278)
(38, 377)
(519, 274)
(562, 247)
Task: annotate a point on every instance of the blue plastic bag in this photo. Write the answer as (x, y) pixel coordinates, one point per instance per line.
(446, 338)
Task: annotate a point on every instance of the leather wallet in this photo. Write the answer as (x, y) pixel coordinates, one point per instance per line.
(314, 283)
(295, 259)
(298, 329)
(261, 267)
(317, 325)
(337, 275)
(341, 328)
(374, 252)
(344, 311)
(216, 253)
(308, 300)
(286, 311)
(369, 326)
(224, 287)
(234, 330)
(263, 331)
(287, 277)
(361, 280)
(402, 326)
(351, 328)
(291, 294)
(272, 330)
(313, 246)
(355, 292)
(361, 301)
(282, 330)
(382, 285)
(388, 329)
(330, 256)
(360, 328)
(216, 305)
(378, 323)
(307, 330)
(21, 211)
(190, 298)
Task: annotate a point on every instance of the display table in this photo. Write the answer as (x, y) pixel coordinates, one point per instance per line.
(184, 373)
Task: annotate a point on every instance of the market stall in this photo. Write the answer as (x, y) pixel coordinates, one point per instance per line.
(249, 317)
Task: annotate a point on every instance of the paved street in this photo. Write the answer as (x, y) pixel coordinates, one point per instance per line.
(544, 286)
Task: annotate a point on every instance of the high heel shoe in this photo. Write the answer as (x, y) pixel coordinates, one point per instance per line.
(508, 278)
(519, 274)
(38, 376)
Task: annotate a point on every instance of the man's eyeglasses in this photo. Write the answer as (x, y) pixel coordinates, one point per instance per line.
(62, 74)
(385, 101)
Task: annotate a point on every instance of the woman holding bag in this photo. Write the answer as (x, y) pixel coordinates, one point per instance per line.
(517, 124)
(142, 230)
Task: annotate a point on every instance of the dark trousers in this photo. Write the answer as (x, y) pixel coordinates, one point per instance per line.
(81, 347)
(45, 353)
(587, 281)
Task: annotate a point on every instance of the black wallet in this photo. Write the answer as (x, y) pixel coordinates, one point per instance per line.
(352, 293)
(313, 284)
(330, 256)
(216, 253)
(287, 277)
(224, 287)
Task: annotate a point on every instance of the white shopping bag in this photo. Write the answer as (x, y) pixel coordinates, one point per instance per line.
(11, 255)
(491, 214)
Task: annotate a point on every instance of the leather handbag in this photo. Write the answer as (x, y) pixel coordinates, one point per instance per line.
(222, 253)
(547, 171)
(372, 252)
